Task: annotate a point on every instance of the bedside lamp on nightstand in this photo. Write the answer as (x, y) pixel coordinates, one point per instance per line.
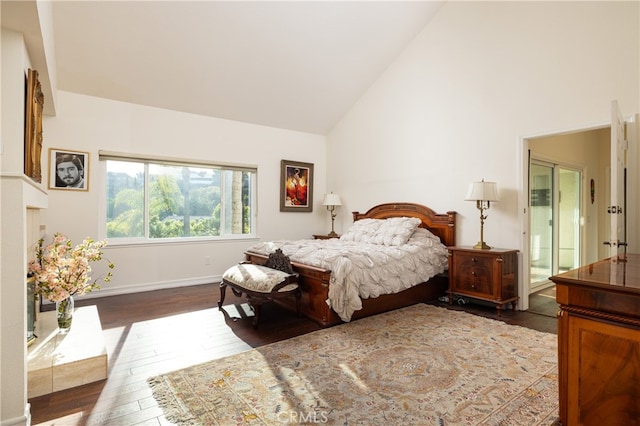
(332, 201)
(483, 193)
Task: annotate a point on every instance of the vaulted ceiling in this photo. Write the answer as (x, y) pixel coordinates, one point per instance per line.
(296, 65)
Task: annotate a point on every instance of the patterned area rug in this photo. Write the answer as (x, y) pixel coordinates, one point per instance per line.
(421, 365)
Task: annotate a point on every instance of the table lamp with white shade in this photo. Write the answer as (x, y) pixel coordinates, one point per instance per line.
(483, 193)
(332, 201)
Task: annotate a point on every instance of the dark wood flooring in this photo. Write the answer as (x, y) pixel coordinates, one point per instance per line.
(155, 332)
(544, 302)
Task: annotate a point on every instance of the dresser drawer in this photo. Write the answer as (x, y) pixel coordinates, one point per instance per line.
(474, 274)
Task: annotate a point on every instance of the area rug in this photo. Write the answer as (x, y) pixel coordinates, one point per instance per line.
(420, 365)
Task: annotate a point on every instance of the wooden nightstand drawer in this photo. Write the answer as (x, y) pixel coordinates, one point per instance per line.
(474, 274)
(490, 275)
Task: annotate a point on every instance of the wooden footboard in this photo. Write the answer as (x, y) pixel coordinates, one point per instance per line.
(314, 283)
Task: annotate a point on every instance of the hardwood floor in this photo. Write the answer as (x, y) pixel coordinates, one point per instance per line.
(544, 302)
(151, 333)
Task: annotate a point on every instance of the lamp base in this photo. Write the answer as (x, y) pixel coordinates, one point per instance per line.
(332, 234)
(481, 246)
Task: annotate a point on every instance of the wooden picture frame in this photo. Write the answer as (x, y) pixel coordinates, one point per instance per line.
(296, 186)
(34, 105)
(74, 169)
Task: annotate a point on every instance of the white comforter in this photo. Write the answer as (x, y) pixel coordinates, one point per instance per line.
(364, 270)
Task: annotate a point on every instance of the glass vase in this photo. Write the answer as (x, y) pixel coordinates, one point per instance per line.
(64, 310)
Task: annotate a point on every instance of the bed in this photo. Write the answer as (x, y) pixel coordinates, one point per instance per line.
(316, 281)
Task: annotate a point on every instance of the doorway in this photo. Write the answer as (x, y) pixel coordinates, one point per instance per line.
(556, 212)
(565, 184)
(593, 151)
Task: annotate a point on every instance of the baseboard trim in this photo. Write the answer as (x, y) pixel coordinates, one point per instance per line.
(139, 288)
(24, 420)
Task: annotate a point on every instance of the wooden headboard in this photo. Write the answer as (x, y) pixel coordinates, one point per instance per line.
(442, 225)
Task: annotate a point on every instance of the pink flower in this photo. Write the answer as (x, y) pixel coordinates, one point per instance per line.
(61, 270)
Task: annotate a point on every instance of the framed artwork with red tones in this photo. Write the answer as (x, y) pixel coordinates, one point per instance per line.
(296, 186)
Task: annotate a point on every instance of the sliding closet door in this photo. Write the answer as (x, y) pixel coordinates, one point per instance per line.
(555, 214)
(542, 221)
(569, 214)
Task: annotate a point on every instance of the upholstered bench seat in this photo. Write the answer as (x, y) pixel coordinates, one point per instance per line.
(257, 278)
(262, 283)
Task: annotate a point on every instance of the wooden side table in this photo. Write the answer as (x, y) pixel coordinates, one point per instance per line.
(489, 275)
(323, 237)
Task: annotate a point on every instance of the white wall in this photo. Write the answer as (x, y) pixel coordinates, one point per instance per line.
(456, 104)
(91, 124)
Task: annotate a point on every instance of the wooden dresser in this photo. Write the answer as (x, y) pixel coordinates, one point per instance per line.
(599, 343)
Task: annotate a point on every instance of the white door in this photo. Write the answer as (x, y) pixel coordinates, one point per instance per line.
(616, 209)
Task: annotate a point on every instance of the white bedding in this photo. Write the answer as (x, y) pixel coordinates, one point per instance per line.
(361, 270)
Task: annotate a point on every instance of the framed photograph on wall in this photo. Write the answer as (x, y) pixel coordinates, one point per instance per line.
(296, 186)
(68, 169)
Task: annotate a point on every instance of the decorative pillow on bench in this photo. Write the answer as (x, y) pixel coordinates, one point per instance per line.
(257, 278)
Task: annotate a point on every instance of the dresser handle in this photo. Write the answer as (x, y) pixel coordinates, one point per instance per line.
(473, 272)
(473, 259)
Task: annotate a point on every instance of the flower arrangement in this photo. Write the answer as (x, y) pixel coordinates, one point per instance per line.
(60, 270)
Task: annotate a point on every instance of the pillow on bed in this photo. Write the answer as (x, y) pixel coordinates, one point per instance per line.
(362, 231)
(421, 234)
(396, 231)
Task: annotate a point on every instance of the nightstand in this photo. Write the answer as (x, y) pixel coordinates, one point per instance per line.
(489, 275)
(324, 237)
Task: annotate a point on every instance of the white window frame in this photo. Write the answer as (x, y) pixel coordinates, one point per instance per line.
(149, 159)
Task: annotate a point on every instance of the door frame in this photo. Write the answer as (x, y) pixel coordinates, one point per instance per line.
(524, 274)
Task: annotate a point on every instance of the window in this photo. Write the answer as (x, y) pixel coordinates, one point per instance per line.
(153, 199)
